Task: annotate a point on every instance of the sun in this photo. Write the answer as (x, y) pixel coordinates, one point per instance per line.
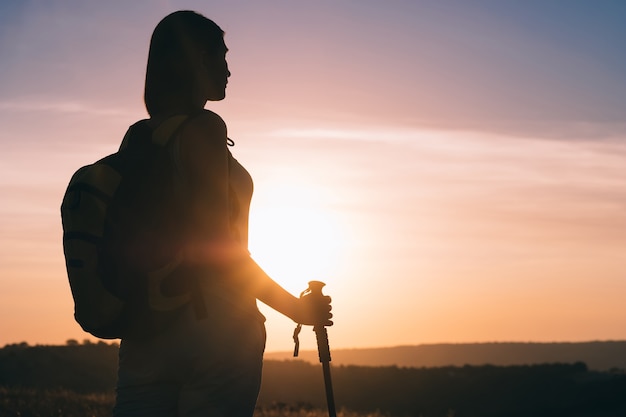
(294, 235)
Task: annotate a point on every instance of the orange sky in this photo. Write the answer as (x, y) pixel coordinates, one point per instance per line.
(454, 173)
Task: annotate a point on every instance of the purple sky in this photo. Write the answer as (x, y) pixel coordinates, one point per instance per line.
(462, 163)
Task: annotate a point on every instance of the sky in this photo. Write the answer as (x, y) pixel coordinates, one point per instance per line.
(453, 171)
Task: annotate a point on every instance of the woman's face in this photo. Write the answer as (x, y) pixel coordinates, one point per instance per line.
(216, 75)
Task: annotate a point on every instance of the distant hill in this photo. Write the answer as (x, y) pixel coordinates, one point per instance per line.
(601, 356)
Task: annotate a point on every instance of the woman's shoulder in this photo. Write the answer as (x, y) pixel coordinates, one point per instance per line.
(207, 120)
(201, 145)
(205, 127)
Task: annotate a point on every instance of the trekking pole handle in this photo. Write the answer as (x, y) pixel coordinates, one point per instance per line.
(323, 348)
(314, 291)
(315, 288)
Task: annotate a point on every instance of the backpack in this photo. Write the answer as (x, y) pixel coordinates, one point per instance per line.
(122, 233)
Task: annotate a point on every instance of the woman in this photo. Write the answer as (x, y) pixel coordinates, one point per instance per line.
(207, 362)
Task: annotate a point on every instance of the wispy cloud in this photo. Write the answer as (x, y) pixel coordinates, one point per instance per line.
(580, 131)
(59, 106)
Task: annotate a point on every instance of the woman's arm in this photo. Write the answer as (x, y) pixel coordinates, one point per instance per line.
(306, 310)
(204, 154)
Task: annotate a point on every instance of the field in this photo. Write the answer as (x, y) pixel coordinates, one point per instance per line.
(23, 402)
(79, 380)
(30, 402)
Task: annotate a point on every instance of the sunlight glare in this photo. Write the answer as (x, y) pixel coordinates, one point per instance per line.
(293, 236)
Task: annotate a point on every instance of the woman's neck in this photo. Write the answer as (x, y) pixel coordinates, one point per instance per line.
(158, 118)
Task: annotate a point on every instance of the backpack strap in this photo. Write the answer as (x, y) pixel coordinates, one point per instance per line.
(163, 136)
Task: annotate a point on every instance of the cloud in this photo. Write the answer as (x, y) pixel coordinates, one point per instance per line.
(59, 106)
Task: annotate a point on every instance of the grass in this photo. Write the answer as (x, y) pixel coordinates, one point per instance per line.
(303, 412)
(29, 402)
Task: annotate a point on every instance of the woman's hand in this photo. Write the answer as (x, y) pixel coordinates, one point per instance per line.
(313, 310)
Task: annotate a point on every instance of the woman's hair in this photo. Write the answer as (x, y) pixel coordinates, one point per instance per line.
(175, 47)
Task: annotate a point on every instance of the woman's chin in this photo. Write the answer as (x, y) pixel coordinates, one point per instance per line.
(217, 97)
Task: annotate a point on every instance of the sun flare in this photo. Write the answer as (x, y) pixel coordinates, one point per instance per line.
(294, 237)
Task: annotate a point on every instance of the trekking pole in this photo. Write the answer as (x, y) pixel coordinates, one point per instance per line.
(323, 348)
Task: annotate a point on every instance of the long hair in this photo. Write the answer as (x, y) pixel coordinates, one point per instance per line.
(175, 49)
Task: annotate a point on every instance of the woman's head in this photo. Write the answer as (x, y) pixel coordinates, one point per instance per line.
(186, 63)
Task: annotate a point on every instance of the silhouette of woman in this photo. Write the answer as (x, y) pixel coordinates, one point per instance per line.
(208, 360)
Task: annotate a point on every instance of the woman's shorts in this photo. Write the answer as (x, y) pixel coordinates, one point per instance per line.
(206, 367)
